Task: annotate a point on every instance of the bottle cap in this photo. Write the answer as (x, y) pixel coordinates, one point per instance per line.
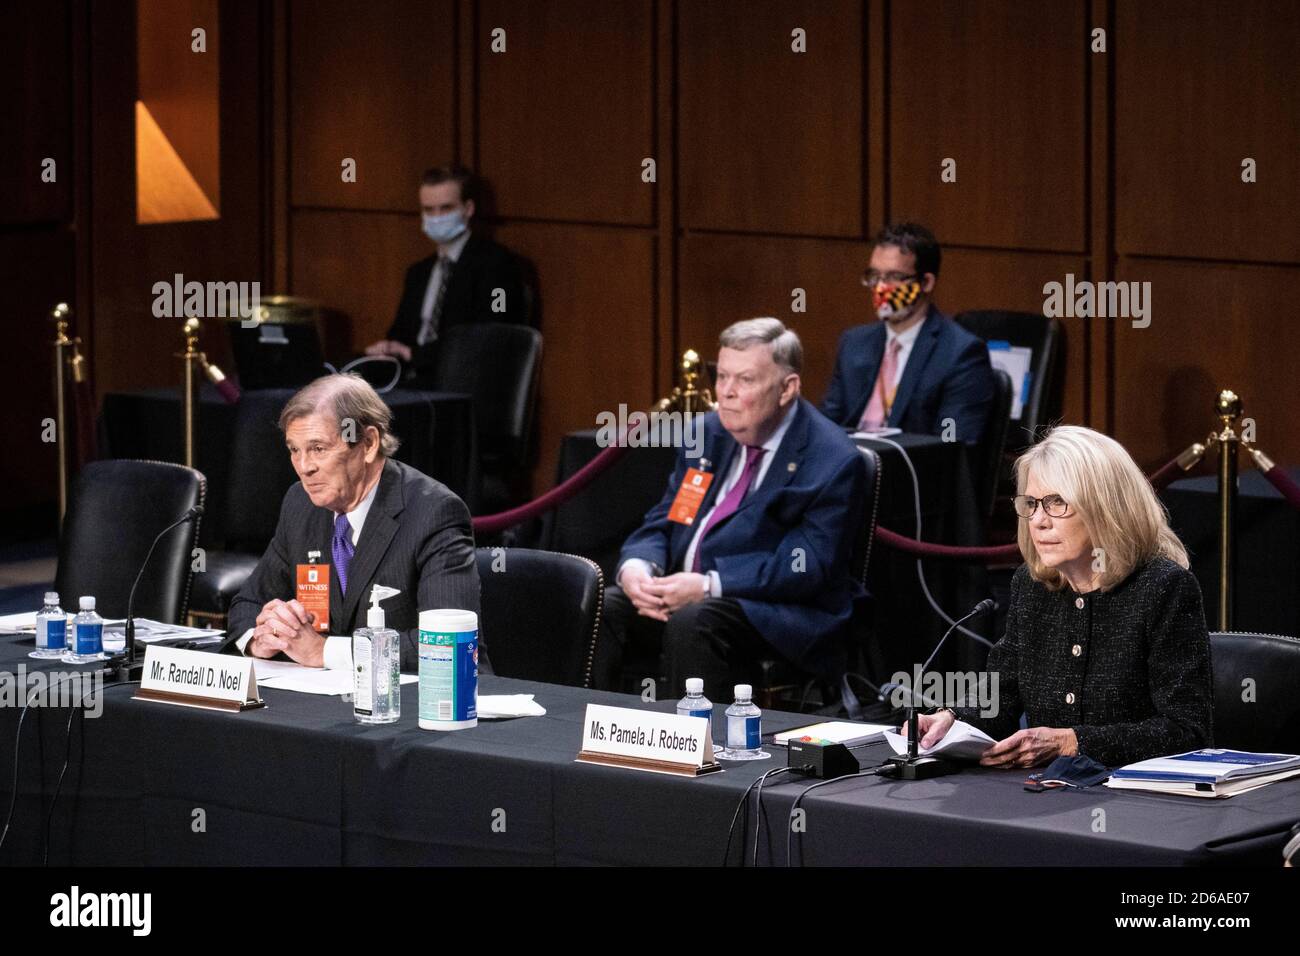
(744, 691)
(448, 620)
(694, 685)
(51, 597)
(87, 603)
(375, 616)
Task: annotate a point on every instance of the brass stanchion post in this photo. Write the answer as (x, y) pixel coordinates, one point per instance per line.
(1228, 407)
(689, 397)
(189, 402)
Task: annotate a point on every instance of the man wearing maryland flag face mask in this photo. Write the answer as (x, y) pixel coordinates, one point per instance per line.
(459, 283)
(912, 368)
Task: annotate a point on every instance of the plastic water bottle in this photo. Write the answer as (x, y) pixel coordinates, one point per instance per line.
(695, 704)
(51, 629)
(744, 728)
(87, 635)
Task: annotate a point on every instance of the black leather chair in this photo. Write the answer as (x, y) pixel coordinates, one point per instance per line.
(1264, 714)
(1045, 339)
(986, 462)
(779, 677)
(498, 364)
(540, 614)
(260, 473)
(115, 510)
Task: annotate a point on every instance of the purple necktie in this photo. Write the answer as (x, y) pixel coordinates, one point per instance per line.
(342, 550)
(733, 498)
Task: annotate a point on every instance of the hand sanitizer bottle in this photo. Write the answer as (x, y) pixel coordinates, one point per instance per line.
(744, 728)
(377, 661)
(87, 635)
(51, 629)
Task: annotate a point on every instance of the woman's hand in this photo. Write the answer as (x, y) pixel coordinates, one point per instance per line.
(933, 727)
(1031, 747)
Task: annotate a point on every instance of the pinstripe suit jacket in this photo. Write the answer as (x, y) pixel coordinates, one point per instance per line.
(417, 538)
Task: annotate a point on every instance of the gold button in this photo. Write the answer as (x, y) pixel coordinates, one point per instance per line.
(1076, 650)
(1069, 698)
(1078, 602)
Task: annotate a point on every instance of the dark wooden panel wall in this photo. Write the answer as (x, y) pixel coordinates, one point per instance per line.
(772, 168)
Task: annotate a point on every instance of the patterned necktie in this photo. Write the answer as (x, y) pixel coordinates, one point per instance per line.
(429, 328)
(342, 550)
(733, 498)
(882, 396)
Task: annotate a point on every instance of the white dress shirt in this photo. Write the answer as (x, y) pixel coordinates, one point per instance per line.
(452, 251)
(733, 476)
(338, 649)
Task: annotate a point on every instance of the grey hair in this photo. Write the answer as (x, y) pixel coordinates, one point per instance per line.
(787, 351)
(347, 397)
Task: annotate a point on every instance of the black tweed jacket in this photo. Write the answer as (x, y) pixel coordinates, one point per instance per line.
(1127, 669)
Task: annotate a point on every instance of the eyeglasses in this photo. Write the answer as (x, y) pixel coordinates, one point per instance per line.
(872, 279)
(1054, 505)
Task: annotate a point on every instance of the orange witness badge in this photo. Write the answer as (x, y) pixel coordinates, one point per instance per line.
(314, 593)
(689, 496)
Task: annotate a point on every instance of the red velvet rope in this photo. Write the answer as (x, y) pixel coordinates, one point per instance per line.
(491, 524)
(991, 554)
(1289, 490)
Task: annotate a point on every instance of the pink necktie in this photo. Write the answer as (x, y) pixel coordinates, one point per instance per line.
(882, 396)
(733, 498)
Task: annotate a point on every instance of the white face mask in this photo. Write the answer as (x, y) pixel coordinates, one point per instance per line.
(445, 228)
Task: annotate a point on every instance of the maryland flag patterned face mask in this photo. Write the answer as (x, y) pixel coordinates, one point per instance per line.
(894, 298)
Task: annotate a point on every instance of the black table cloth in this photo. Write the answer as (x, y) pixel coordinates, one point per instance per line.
(436, 431)
(299, 782)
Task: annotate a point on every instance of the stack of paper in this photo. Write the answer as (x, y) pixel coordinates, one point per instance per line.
(286, 675)
(1206, 773)
(962, 742)
(837, 732)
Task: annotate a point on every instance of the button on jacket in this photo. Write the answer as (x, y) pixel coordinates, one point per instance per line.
(1127, 669)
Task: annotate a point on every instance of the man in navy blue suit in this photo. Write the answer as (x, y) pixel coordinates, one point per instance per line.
(916, 369)
(747, 555)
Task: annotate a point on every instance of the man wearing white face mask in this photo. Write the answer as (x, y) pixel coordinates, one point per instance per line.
(469, 278)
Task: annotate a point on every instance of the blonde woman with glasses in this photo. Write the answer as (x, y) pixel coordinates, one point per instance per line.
(1106, 651)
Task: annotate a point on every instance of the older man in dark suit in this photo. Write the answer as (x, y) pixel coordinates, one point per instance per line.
(747, 555)
(356, 519)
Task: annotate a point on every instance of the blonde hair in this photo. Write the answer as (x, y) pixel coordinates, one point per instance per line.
(1101, 482)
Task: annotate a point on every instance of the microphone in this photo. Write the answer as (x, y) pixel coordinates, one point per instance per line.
(125, 667)
(913, 766)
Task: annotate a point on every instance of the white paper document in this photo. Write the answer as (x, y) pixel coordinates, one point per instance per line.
(146, 631)
(962, 742)
(286, 675)
(509, 705)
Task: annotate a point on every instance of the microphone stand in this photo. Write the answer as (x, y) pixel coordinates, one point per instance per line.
(124, 668)
(912, 766)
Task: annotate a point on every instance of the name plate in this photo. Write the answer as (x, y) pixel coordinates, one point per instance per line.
(198, 679)
(647, 740)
